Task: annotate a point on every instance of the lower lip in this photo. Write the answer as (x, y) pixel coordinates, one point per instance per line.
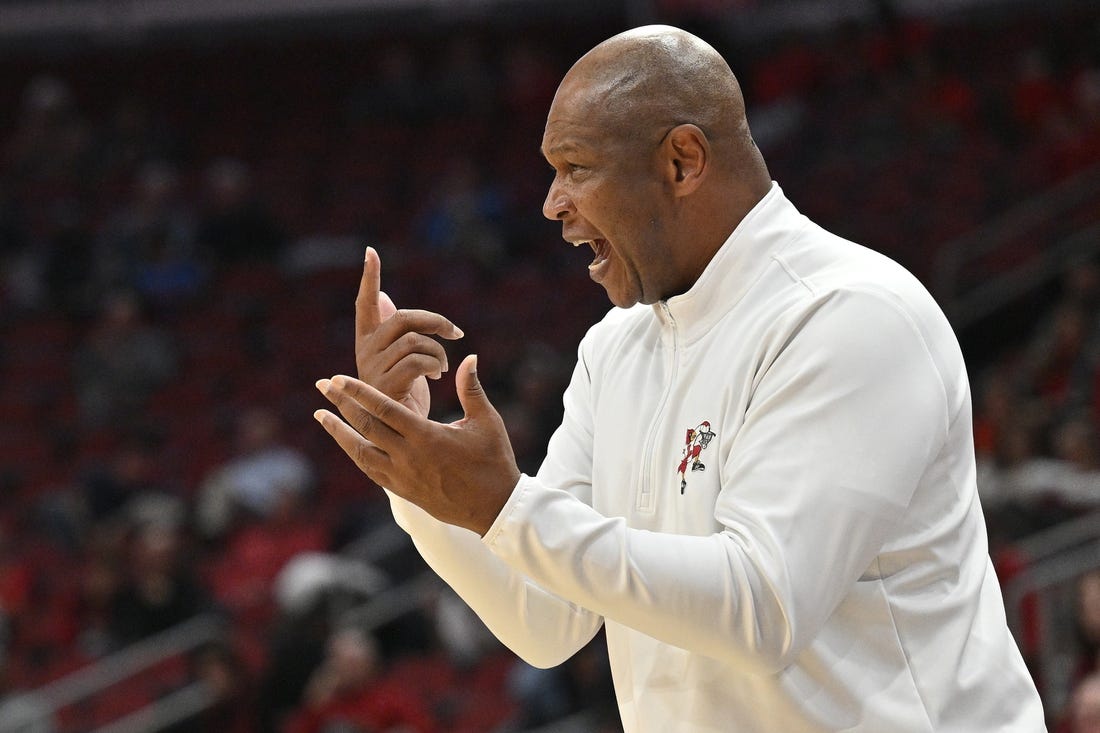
(599, 271)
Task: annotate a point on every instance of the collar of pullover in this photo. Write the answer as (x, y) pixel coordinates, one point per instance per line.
(734, 268)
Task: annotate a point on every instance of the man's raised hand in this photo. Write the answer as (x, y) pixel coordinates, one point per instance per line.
(461, 473)
(394, 349)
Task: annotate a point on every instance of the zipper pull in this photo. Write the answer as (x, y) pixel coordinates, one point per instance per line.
(668, 312)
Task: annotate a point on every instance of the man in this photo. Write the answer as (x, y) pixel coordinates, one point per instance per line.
(826, 569)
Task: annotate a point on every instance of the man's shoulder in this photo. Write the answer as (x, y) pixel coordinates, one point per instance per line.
(826, 265)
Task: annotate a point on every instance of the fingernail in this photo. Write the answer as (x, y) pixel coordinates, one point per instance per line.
(319, 416)
(366, 255)
(339, 381)
(458, 332)
(324, 385)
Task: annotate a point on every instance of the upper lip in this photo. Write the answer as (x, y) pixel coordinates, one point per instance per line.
(577, 240)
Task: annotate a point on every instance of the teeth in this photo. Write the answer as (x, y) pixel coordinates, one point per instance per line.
(583, 241)
(601, 256)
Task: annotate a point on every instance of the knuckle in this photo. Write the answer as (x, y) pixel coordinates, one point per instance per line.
(415, 365)
(362, 455)
(409, 340)
(382, 410)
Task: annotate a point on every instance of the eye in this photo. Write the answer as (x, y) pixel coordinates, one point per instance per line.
(568, 169)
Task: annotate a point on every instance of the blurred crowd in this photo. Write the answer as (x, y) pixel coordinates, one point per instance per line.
(181, 232)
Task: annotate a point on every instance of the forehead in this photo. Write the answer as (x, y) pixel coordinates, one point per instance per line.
(563, 137)
(574, 123)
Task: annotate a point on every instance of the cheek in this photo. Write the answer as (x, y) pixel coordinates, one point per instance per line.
(625, 215)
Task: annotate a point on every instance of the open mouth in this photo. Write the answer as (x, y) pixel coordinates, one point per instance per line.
(601, 248)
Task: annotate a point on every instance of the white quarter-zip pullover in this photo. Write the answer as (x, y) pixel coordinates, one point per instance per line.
(764, 489)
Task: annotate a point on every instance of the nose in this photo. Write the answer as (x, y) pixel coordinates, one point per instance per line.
(557, 205)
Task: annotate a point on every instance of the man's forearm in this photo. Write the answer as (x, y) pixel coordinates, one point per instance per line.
(537, 625)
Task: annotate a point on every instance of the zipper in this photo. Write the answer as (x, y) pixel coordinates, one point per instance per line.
(647, 495)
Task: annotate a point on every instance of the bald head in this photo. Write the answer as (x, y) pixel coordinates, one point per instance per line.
(654, 164)
(655, 77)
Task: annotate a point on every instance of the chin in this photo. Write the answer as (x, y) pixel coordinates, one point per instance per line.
(620, 300)
(627, 295)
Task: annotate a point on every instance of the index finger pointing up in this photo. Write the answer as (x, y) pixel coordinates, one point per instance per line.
(368, 314)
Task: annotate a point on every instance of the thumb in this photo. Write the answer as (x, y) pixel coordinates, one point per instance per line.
(475, 403)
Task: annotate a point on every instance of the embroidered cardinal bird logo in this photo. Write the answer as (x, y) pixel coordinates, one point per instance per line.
(698, 438)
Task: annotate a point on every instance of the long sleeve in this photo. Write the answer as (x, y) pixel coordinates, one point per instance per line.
(844, 419)
(539, 626)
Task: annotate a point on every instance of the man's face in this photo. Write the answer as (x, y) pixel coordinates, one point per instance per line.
(607, 193)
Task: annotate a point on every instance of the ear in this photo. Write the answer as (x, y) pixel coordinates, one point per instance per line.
(688, 153)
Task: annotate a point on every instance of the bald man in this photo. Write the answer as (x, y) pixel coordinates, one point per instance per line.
(819, 562)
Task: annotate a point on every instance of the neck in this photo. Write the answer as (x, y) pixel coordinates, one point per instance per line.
(716, 217)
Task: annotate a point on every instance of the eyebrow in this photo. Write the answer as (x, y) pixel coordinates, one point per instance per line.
(566, 147)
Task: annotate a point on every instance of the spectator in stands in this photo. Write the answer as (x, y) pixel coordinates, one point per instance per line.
(350, 688)
(461, 634)
(1084, 707)
(100, 580)
(150, 244)
(98, 505)
(397, 91)
(68, 260)
(1077, 450)
(1086, 616)
(308, 615)
(1024, 489)
(52, 139)
(466, 84)
(262, 479)
(121, 362)
(16, 593)
(246, 569)
(221, 671)
(132, 135)
(236, 226)
(295, 648)
(463, 219)
(534, 411)
(1081, 289)
(1068, 477)
(539, 379)
(160, 589)
(543, 695)
(1057, 366)
(1036, 93)
(256, 509)
(583, 685)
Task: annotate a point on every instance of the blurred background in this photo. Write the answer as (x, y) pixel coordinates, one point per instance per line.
(186, 190)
